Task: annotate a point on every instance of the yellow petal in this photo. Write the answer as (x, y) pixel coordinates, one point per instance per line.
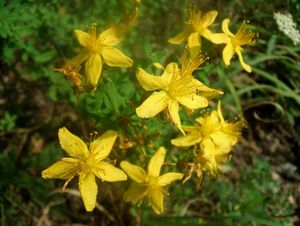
(102, 146)
(225, 28)
(136, 173)
(115, 58)
(113, 35)
(228, 53)
(88, 190)
(233, 130)
(191, 129)
(168, 178)
(72, 144)
(135, 193)
(212, 157)
(156, 162)
(171, 72)
(194, 102)
(188, 140)
(154, 104)
(158, 65)
(61, 170)
(210, 165)
(209, 17)
(221, 139)
(181, 37)
(156, 200)
(208, 147)
(78, 59)
(222, 151)
(209, 93)
(107, 172)
(219, 111)
(244, 65)
(194, 44)
(83, 38)
(173, 108)
(211, 121)
(217, 38)
(93, 68)
(150, 82)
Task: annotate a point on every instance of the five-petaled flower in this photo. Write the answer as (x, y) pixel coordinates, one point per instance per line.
(149, 184)
(86, 163)
(215, 136)
(242, 37)
(177, 85)
(99, 48)
(197, 26)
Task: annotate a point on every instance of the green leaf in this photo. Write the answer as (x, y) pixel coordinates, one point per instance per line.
(112, 95)
(271, 44)
(45, 57)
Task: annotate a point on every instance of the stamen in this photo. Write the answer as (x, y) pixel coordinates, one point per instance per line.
(183, 86)
(93, 31)
(93, 136)
(165, 192)
(244, 36)
(140, 201)
(195, 17)
(188, 64)
(94, 45)
(234, 128)
(66, 183)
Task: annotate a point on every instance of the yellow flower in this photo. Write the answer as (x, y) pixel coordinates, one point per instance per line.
(177, 86)
(215, 136)
(99, 48)
(86, 163)
(149, 184)
(212, 159)
(197, 25)
(212, 128)
(242, 37)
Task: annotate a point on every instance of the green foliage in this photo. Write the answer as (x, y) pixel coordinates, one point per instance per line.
(294, 7)
(8, 122)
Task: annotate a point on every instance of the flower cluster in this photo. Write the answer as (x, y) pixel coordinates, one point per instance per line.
(197, 26)
(88, 162)
(215, 138)
(212, 136)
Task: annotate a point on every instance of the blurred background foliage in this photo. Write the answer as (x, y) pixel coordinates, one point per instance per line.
(259, 187)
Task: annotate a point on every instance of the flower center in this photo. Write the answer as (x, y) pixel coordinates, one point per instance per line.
(152, 183)
(183, 86)
(209, 125)
(89, 163)
(244, 36)
(94, 45)
(196, 19)
(183, 83)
